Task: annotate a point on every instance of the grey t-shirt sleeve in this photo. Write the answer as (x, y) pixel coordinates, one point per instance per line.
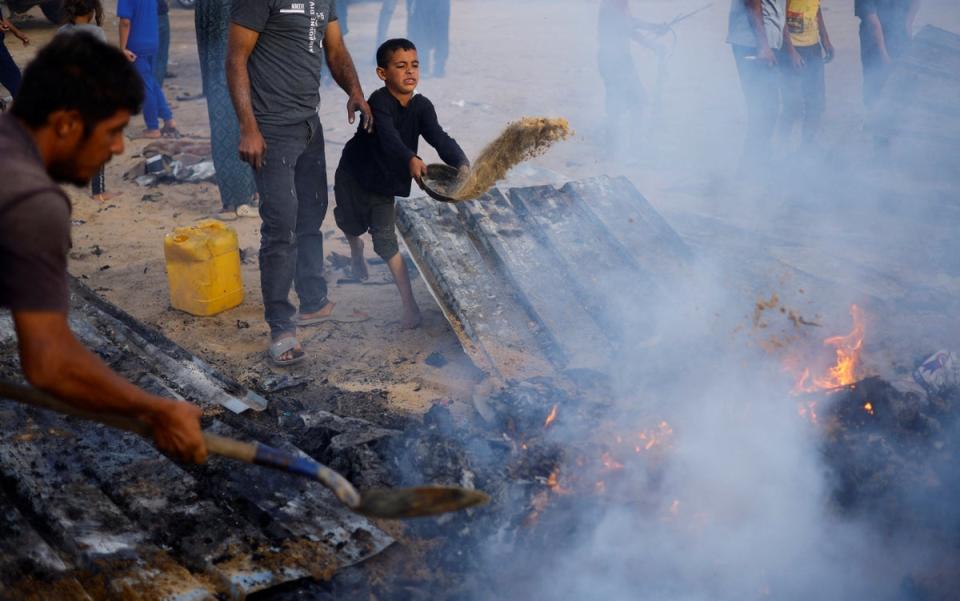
(252, 14)
(34, 241)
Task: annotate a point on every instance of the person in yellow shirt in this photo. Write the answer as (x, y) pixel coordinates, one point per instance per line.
(806, 48)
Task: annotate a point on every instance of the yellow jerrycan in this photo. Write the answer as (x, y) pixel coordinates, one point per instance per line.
(203, 268)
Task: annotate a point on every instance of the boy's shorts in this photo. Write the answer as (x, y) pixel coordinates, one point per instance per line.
(359, 211)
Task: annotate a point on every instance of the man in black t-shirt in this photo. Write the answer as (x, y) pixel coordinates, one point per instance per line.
(75, 100)
(276, 52)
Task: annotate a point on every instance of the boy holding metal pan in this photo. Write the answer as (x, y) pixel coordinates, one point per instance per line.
(378, 166)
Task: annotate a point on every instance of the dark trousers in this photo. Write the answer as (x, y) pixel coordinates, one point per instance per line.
(293, 201)
(761, 90)
(626, 100)
(163, 51)
(429, 29)
(804, 92)
(154, 103)
(875, 71)
(383, 21)
(9, 71)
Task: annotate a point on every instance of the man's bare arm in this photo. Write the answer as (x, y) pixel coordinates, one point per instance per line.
(240, 44)
(345, 74)
(825, 38)
(54, 361)
(755, 14)
(124, 34)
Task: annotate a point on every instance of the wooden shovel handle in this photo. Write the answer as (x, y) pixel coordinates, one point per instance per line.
(254, 453)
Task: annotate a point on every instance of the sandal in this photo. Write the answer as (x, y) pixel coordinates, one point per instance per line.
(246, 211)
(335, 316)
(169, 132)
(280, 347)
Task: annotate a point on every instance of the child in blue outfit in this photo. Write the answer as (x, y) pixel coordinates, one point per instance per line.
(376, 167)
(140, 41)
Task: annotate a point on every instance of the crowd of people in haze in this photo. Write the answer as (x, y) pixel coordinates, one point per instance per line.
(261, 63)
(780, 48)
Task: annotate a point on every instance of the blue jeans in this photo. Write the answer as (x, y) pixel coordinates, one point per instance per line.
(154, 104)
(293, 202)
(163, 50)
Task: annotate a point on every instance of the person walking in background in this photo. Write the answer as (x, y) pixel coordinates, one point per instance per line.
(755, 33)
(342, 7)
(163, 46)
(234, 177)
(9, 71)
(428, 26)
(806, 48)
(86, 16)
(886, 29)
(383, 22)
(625, 96)
(140, 41)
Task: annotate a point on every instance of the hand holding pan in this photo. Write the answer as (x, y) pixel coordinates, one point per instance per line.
(441, 182)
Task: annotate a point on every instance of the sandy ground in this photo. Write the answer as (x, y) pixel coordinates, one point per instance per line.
(508, 59)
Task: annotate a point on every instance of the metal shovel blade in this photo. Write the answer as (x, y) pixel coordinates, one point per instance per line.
(395, 503)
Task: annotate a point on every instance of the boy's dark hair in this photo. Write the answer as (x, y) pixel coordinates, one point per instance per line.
(78, 72)
(386, 50)
(78, 8)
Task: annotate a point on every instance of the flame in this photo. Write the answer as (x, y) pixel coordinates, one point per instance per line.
(609, 462)
(847, 369)
(675, 507)
(553, 483)
(868, 407)
(551, 417)
(600, 487)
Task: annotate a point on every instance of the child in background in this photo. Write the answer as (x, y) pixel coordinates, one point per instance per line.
(9, 71)
(140, 41)
(86, 16)
(376, 167)
(806, 48)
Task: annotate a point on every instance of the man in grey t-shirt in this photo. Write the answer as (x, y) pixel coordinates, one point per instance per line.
(275, 54)
(754, 32)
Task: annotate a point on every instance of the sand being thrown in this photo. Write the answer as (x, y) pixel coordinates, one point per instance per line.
(520, 141)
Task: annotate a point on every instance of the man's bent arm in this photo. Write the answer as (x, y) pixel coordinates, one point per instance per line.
(54, 361)
(240, 45)
(755, 14)
(345, 74)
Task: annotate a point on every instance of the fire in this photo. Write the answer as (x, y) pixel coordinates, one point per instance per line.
(553, 483)
(847, 369)
(552, 416)
(609, 462)
(868, 407)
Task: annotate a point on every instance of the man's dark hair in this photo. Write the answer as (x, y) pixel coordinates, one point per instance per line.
(78, 72)
(386, 50)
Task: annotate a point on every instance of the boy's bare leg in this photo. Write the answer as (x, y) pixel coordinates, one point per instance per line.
(411, 312)
(359, 265)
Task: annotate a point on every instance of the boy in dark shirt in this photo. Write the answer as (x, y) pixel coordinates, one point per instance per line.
(376, 167)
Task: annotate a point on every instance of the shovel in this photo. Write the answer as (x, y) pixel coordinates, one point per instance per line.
(390, 503)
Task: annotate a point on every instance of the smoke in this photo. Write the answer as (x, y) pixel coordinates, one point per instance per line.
(741, 506)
